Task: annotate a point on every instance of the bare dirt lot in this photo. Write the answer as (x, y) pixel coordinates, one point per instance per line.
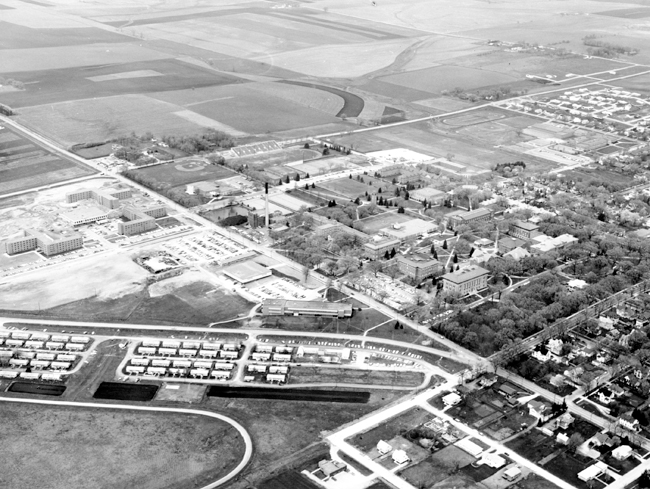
(80, 448)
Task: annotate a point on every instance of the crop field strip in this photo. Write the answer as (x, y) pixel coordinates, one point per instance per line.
(26, 155)
(352, 106)
(65, 84)
(14, 36)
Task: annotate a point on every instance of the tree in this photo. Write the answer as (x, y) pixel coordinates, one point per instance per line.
(444, 245)
(374, 267)
(287, 179)
(400, 210)
(575, 440)
(455, 258)
(326, 151)
(313, 185)
(306, 146)
(297, 177)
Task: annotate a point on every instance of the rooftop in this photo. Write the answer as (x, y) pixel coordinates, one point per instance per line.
(465, 274)
(246, 271)
(528, 226)
(84, 213)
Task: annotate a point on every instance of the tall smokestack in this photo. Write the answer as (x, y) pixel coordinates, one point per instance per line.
(266, 202)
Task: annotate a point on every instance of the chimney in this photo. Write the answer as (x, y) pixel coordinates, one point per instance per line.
(266, 202)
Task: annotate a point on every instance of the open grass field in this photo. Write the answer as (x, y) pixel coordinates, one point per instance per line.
(79, 447)
(373, 224)
(407, 420)
(103, 276)
(15, 36)
(350, 188)
(23, 164)
(183, 172)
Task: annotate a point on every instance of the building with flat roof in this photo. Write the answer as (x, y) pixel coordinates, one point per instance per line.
(409, 229)
(466, 281)
(246, 272)
(418, 266)
(85, 215)
(379, 245)
(333, 228)
(523, 229)
(459, 218)
(108, 197)
(282, 307)
(140, 220)
(430, 194)
(48, 242)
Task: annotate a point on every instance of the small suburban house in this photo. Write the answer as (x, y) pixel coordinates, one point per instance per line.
(383, 448)
(630, 423)
(539, 410)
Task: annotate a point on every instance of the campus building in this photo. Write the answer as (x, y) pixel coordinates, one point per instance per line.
(412, 228)
(282, 307)
(459, 218)
(140, 220)
(108, 197)
(430, 194)
(418, 266)
(85, 215)
(466, 281)
(524, 230)
(378, 246)
(49, 243)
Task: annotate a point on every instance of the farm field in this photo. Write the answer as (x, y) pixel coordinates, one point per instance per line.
(91, 120)
(62, 85)
(104, 448)
(24, 164)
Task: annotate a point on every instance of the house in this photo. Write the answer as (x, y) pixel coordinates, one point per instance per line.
(592, 472)
(400, 457)
(630, 423)
(605, 395)
(511, 474)
(517, 254)
(488, 380)
(557, 380)
(565, 420)
(383, 448)
(508, 390)
(622, 452)
(617, 390)
(451, 399)
(555, 345)
(542, 357)
(331, 467)
(600, 439)
(539, 410)
(562, 439)
(492, 460)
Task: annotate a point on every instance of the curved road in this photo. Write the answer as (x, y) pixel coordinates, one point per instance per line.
(242, 431)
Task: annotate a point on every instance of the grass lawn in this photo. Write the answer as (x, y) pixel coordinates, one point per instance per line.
(308, 375)
(403, 422)
(407, 335)
(533, 445)
(362, 469)
(534, 481)
(373, 224)
(567, 466)
(68, 448)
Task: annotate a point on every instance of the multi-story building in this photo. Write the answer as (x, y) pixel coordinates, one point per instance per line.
(466, 281)
(307, 308)
(378, 246)
(49, 243)
(418, 266)
(140, 220)
(466, 217)
(108, 197)
(524, 229)
(430, 194)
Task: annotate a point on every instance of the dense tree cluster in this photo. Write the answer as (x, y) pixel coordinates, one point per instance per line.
(207, 141)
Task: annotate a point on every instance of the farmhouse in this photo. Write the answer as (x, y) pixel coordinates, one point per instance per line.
(466, 281)
(418, 266)
(451, 399)
(284, 307)
(400, 457)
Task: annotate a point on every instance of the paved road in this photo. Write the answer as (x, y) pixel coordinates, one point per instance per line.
(242, 431)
